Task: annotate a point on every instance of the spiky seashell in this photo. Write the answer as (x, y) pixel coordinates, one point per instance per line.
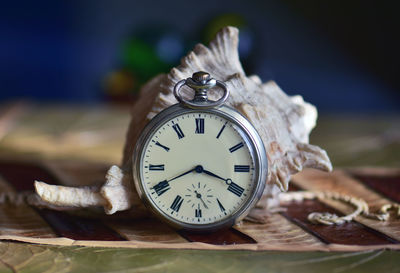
(283, 122)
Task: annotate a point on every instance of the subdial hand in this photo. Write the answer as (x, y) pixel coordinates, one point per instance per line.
(198, 195)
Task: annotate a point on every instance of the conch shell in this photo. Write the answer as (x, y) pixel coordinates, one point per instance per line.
(283, 122)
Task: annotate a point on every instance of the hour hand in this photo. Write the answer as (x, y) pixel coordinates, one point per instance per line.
(232, 186)
(210, 174)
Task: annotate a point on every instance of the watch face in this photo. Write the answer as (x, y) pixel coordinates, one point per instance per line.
(198, 168)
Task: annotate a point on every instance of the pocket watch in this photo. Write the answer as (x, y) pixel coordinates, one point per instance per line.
(200, 165)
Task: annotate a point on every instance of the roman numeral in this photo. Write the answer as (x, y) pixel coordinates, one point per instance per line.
(199, 126)
(156, 167)
(235, 189)
(197, 213)
(162, 146)
(178, 131)
(242, 168)
(161, 187)
(221, 207)
(222, 129)
(236, 147)
(176, 205)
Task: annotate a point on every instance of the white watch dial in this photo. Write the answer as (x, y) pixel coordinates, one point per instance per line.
(197, 168)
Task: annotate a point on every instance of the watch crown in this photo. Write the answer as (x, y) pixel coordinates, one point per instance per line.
(201, 77)
(201, 82)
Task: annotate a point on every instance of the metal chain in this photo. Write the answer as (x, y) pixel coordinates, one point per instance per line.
(325, 218)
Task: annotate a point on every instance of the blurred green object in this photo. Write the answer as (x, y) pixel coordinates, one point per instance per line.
(144, 54)
(141, 58)
(152, 50)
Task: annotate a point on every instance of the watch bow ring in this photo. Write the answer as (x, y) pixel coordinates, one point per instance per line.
(200, 82)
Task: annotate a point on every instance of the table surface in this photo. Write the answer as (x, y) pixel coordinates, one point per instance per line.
(96, 134)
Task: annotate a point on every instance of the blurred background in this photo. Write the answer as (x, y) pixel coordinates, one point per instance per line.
(343, 56)
(68, 67)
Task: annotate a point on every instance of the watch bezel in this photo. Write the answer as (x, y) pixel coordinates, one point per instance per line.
(253, 140)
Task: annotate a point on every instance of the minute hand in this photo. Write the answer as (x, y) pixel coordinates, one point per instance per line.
(185, 173)
(163, 186)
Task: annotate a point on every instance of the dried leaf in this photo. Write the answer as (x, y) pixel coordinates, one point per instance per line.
(16, 257)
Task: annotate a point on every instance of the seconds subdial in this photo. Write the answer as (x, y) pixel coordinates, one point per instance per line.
(199, 196)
